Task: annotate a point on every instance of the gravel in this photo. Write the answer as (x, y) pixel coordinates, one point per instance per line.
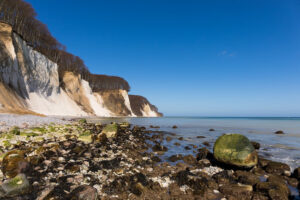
(25, 121)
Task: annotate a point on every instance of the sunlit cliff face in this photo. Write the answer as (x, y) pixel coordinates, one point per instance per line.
(29, 83)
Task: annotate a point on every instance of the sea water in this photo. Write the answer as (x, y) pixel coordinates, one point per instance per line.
(283, 148)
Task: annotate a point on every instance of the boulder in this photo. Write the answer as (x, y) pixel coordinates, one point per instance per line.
(246, 177)
(278, 168)
(85, 137)
(296, 173)
(242, 192)
(110, 130)
(274, 189)
(137, 189)
(14, 163)
(235, 149)
(256, 145)
(14, 187)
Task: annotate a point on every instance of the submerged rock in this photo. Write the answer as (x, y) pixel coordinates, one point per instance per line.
(159, 148)
(168, 138)
(279, 132)
(235, 149)
(110, 130)
(175, 158)
(16, 186)
(206, 143)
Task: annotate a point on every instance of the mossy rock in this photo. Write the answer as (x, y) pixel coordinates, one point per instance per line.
(29, 134)
(14, 187)
(39, 130)
(8, 136)
(110, 130)
(15, 130)
(51, 129)
(235, 149)
(38, 139)
(11, 163)
(85, 137)
(82, 121)
(6, 143)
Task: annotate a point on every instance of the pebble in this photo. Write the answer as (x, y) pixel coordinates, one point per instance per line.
(61, 159)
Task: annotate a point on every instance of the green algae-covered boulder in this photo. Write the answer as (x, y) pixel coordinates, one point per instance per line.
(86, 137)
(110, 130)
(16, 186)
(235, 149)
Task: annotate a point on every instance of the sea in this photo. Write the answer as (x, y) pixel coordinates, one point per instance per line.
(283, 148)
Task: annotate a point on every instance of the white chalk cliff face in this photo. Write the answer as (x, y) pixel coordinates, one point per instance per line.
(29, 83)
(142, 107)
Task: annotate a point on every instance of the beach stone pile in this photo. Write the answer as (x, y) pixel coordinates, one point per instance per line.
(88, 161)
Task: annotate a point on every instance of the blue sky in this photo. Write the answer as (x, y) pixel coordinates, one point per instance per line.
(192, 58)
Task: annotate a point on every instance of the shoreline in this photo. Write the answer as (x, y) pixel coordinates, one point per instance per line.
(75, 158)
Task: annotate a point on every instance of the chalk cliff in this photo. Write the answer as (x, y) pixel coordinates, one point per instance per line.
(142, 107)
(30, 83)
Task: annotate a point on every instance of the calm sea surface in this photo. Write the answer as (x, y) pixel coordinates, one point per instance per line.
(283, 148)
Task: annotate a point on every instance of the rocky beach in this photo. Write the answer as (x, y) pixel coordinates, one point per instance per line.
(82, 160)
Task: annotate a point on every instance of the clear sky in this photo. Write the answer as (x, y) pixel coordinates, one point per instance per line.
(189, 57)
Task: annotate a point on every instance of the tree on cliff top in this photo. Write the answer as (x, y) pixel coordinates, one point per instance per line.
(22, 17)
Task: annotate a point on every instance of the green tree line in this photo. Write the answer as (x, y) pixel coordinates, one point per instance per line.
(22, 17)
